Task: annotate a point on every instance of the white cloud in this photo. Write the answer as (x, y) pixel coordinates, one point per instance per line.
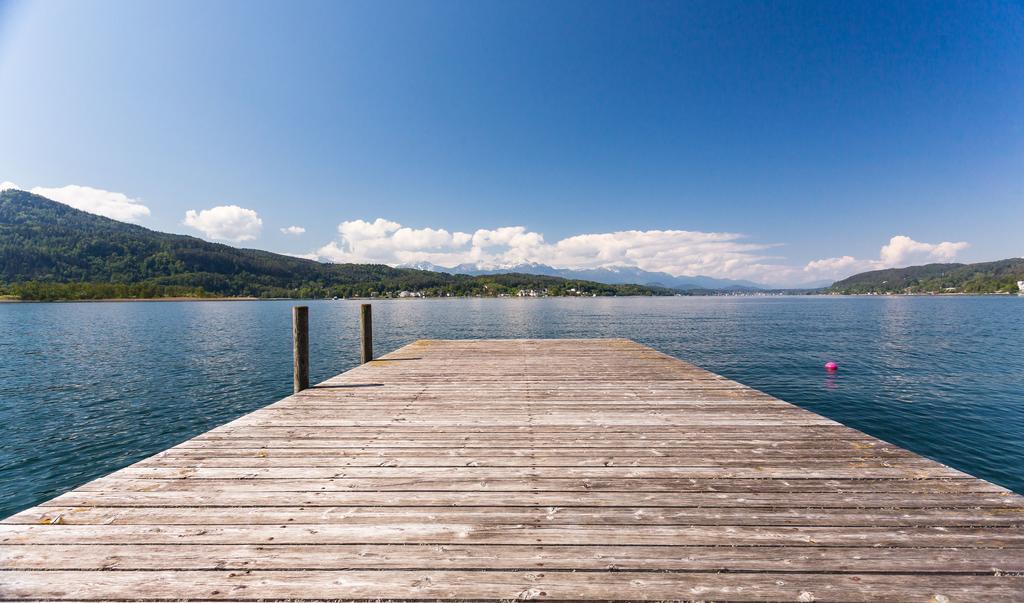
(674, 251)
(902, 250)
(387, 242)
(293, 230)
(117, 206)
(8, 185)
(225, 222)
(834, 268)
(899, 252)
(677, 252)
(847, 262)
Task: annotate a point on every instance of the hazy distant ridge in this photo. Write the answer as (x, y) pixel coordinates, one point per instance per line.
(619, 275)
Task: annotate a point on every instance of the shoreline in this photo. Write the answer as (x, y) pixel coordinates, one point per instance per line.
(12, 300)
(136, 299)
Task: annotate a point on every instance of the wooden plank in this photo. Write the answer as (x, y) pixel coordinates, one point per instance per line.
(526, 484)
(295, 515)
(853, 470)
(504, 557)
(520, 469)
(400, 498)
(518, 534)
(508, 585)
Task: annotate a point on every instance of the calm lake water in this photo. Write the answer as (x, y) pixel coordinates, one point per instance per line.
(89, 388)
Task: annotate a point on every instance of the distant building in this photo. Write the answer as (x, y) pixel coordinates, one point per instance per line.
(1020, 286)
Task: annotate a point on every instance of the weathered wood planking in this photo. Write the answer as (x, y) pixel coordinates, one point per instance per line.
(524, 469)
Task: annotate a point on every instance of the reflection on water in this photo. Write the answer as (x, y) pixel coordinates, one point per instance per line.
(88, 388)
(831, 381)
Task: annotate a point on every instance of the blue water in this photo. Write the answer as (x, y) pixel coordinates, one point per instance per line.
(88, 388)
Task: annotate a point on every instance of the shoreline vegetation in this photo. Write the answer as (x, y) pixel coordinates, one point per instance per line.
(10, 299)
(499, 285)
(203, 297)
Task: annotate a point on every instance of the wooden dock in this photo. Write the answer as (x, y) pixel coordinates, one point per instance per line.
(525, 469)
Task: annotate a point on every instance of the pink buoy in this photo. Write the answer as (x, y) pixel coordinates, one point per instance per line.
(831, 366)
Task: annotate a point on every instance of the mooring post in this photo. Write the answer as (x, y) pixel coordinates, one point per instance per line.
(300, 347)
(365, 333)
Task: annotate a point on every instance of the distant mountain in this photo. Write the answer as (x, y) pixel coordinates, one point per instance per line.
(986, 277)
(49, 250)
(614, 276)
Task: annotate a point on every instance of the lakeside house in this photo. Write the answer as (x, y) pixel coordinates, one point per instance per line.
(1020, 286)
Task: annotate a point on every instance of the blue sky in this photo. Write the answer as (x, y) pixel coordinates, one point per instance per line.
(782, 142)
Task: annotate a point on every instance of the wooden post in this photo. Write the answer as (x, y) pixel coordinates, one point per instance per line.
(365, 333)
(300, 347)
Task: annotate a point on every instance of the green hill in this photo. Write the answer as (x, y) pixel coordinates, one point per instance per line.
(52, 251)
(986, 277)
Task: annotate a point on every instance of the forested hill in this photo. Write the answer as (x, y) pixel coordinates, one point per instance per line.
(986, 277)
(49, 250)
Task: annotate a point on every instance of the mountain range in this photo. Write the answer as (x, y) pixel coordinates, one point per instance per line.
(618, 275)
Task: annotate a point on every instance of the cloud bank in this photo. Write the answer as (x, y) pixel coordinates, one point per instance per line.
(117, 206)
(673, 251)
(677, 252)
(293, 230)
(225, 223)
(8, 185)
